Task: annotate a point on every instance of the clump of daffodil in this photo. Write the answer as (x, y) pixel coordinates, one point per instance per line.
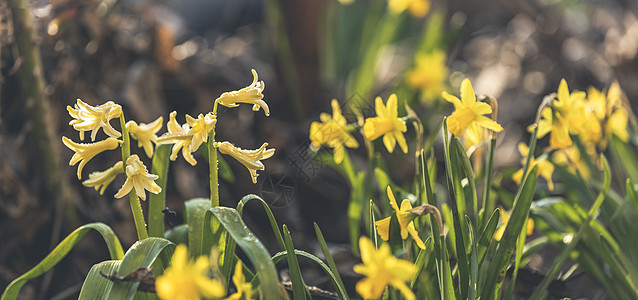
(381, 269)
(199, 128)
(251, 159)
(137, 177)
(386, 124)
(405, 218)
(185, 279)
(333, 132)
(608, 115)
(566, 113)
(85, 152)
(418, 8)
(145, 134)
(100, 180)
(251, 94)
(244, 289)
(429, 75)
(545, 168)
(179, 137)
(468, 112)
(92, 118)
(505, 217)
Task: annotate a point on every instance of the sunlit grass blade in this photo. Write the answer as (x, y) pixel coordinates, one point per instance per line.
(421, 260)
(486, 236)
(298, 285)
(95, 286)
(457, 205)
(157, 202)
(474, 264)
(488, 203)
(520, 245)
(518, 218)
(466, 166)
(334, 277)
(61, 250)
(265, 270)
(354, 211)
(331, 263)
(143, 254)
(632, 195)
(625, 157)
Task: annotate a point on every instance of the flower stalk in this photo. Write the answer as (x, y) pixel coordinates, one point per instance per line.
(212, 163)
(136, 207)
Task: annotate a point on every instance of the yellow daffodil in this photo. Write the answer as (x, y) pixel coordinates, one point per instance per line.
(612, 117)
(405, 219)
(418, 8)
(567, 113)
(333, 131)
(429, 75)
(244, 289)
(186, 280)
(467, 111)
(145, 134)
(250, 94)
(85, 152)
(251, 159)
(386, 124)
(505, 217)
(92, 118)
(100, 180)
(571, 157)
(179, 137)
(137, 177)
(199, 128)
(381, 269)
(545, 168)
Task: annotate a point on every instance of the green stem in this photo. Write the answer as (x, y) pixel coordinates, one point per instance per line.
(212, 163)
(136, 207)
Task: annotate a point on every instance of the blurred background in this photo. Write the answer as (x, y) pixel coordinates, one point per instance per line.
(154, 57)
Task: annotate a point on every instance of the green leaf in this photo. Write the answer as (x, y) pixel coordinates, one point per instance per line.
(487, 235)
(298, 285)
(354, 211)
(341, 291)
(522, 203)
(143, 254)
(60, 251)
(157, 202)
(194, 211)
(331, 263)
(95, 286)
(230, 219)
(178, 235)
(474, 263)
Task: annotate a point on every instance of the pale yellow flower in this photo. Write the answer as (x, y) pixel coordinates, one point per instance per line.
(199, 128)
(405, 219)
(92, 118)
(467, 111)
(429, 75)
(179, 137)
(545, 168)
(418, 8)
(186, 280)
(612, 117)
(100, 180)
(386, 124)
(85, 152)
(244, 289)
(137, 177)
(381, 269)
(505, 217)
(145, 134)
(251, 159)
(333, 131)
(250, 94)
